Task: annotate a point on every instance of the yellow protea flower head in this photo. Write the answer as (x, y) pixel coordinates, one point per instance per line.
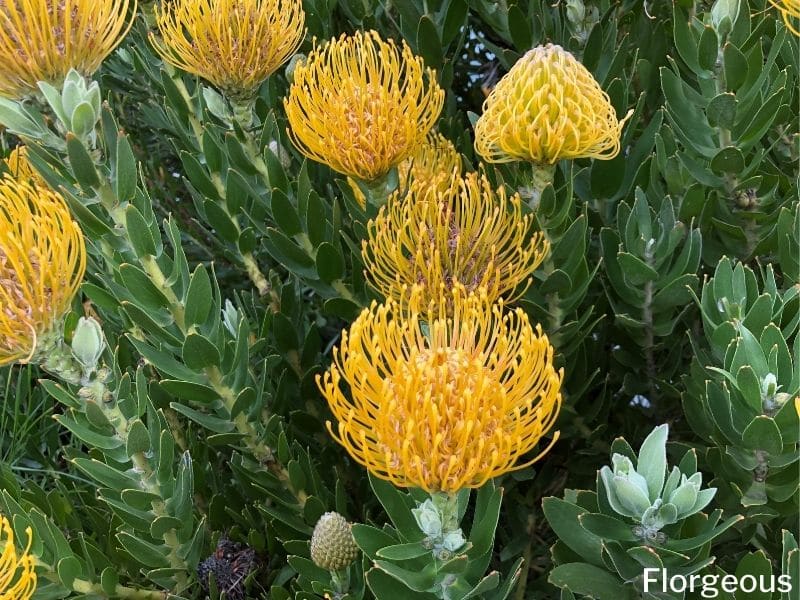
(234, 44)
(548, 107)
(17, 577)
(362, 105)
(790, 10)
(42, 261)
(41, 40)
(434, 163)
(471, 234)
(442, 402)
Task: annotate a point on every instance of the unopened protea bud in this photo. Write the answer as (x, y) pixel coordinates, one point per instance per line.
(332, 545)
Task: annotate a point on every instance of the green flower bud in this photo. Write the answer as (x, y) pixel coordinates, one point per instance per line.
(88, 343)
(294, 62)
(685, 496)
(723, 15)
(332, 545)
(576, 11)
(428, 518)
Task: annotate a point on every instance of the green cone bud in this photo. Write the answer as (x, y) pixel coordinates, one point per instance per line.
(332, 545)
(88, 343)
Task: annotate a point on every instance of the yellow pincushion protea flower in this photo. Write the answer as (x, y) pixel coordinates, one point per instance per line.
(442, 402)
(42, 261)
(17, 577)
(433, 164)
(548, 107)
(41, 40)
(790, 10)
(234, 44)
(362, 105)
(471, 235)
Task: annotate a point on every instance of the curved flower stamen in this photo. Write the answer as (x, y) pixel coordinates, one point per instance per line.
(790, 11)
(17, 576)
(471, 235)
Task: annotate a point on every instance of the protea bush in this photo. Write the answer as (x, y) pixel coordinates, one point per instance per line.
(358, 300)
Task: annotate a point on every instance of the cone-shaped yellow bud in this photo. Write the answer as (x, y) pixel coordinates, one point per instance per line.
(362, 105)
(470, 234)
(790, 9)
(17, 577)
(546, 108)
(234, 44)
(41, 40)
(433, 164)
(332, 545)
(42, 261)
(442, 402)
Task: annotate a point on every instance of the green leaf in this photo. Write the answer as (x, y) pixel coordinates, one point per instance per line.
(419, 581)
(222, 222)
(142, 288)
(428, 43)
(763, 434)
(285, 214)
(707, 49)
(403, 551)
(371, 539)
(89, 436)
(68, 569)
(138, 438)
(589, 580)
(563, 519)
(105, 475)
(607, 528)
(330, 263)
(199, 353)
(205, 420)
(398, 506)
(139, 232)
(735, 66)
(81, 162)
(652, 463)
(635, 269)
(702, 539)
(199, 298)
(755, 564)
(142, 552)
(124, 171)
(728, 160)
(721, 110)
(194, 392)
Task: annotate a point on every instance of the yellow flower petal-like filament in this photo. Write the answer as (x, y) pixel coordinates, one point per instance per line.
(17, 575)
(362, 105)
(790, 11)
(42, 261)
(41, 40)
(469, 234)
(442, 402)
(548, 107)
(234, 44)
